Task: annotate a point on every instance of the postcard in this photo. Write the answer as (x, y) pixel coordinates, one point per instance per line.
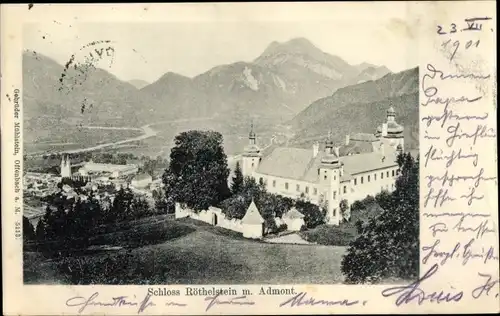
(249, 158)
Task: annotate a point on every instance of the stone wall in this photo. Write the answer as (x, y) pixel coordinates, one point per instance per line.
(212, 216)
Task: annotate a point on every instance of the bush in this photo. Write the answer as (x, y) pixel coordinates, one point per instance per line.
(330, 235)
(313, 214)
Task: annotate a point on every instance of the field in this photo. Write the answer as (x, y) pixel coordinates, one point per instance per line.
(187, 252)
(68, 137)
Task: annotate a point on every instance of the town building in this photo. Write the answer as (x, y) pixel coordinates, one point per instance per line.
(141, 181)
(252, 223)
(294, 219)
(65, 167)
(103, 169)
(364, 165)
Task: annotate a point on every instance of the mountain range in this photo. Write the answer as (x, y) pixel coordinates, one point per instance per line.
(290, 82)
(280, 82)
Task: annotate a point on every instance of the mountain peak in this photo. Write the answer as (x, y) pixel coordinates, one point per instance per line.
(298, 45)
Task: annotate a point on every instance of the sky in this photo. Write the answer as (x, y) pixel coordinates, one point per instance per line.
(146, 50)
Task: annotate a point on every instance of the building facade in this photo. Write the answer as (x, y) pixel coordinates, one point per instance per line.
(110, 170)
(365, 165)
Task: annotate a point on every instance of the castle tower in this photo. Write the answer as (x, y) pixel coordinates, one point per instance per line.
(391, 114)
(329, 179)
(390, 132)
(65, 167)
(251, 156)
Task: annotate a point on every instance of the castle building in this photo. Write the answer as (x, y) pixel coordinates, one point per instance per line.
(365, 166)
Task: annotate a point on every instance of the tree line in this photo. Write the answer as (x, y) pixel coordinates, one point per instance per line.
(69, 223)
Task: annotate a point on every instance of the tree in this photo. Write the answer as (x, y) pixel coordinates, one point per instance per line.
(388, 245)
(237, 182)
(28, 230)
(197, 173)
(163, 203)
(344, 210)
(313, 214)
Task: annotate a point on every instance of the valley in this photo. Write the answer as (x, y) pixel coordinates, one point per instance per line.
(293, 92)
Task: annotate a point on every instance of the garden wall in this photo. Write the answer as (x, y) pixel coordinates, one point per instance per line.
(212, 216)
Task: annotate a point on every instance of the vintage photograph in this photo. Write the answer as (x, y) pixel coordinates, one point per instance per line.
(220, 153)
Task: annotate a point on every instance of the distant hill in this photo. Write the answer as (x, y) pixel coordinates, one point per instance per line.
(138, 83)
(361, 108)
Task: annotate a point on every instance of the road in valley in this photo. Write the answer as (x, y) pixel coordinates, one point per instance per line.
(146, 129)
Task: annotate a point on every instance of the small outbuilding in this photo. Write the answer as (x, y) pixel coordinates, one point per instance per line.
(294, 219)
(252, 223)
(141, 180)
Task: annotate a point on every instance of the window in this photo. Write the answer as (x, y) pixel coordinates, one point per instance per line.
(334, 177)
(387, 174)
(368, 178)
(307, 190)
(261, 181)
(315, 191)
(355, 181)
(252, 164)
(345, 189)
(361, 180)
(334, 212)
(318, 172)
(381, 175)
(298, 188)
(334, 194)
(274, 183)
(325, 176)
(393, 173)
(286, 185)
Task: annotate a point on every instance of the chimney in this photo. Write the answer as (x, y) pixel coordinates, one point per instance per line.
(347, 138)
(315, 149)
(384, 130)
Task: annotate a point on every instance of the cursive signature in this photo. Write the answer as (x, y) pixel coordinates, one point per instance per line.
(484, 289)
(300, 300)
(215, 300)
(413, 292)
(118, 301)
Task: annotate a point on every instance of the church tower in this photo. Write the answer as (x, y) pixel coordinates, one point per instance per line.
(65, 167)
(251, 156)
(329, 174)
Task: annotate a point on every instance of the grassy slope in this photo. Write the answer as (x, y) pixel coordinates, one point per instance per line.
(212, 256)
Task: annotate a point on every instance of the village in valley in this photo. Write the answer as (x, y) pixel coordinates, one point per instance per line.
(328, 194)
